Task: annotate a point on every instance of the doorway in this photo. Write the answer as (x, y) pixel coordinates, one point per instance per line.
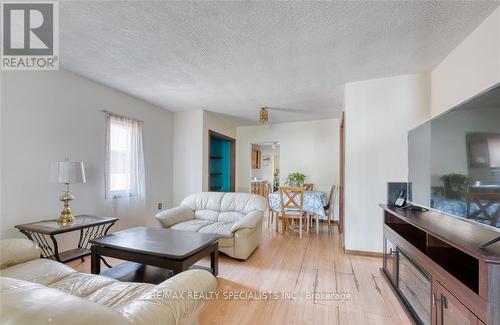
(264, 166)
(221, 162)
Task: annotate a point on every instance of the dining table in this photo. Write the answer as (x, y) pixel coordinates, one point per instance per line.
(314, 202)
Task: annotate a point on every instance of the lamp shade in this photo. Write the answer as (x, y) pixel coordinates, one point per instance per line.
(67, 172)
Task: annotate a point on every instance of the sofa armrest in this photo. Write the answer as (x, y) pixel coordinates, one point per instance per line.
(177, 300)
(250, 221)
(170, 217)
(17, 251)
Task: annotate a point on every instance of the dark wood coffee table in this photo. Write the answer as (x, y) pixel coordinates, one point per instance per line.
(153, 250)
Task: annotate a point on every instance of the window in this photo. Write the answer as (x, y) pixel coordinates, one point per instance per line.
(124, 158)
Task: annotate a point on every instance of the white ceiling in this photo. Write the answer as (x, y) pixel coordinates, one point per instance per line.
(234, 57)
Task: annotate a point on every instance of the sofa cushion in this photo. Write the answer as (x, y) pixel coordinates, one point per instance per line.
(100, 289)
(154, 307)
(209, 215)
(15, 251)
(221, 229)
(230, 216)
(117, 294)
(42, 271)
(31, 303)
(81, 284)
(203, 201)
(242, 202)
(191, 225)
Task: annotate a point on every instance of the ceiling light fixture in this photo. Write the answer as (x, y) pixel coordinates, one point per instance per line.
(263, 115)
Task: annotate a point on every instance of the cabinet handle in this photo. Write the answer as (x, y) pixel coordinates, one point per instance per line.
(444, 302)
(435, 300)
(392, 252)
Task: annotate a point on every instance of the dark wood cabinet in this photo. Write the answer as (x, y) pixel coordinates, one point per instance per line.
(259, 188)
(449, 310)
(256, 157)
(436, 268)
(390, 260)
(415, 287)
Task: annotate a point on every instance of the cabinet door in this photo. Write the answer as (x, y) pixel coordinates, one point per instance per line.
(416, 288)
(254, 158)
(450, 311)
(390, 259)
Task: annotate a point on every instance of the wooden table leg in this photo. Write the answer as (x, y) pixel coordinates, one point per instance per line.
(283, 222)
(214, 259)
(95, 261)
(176, 269)
(277, 221)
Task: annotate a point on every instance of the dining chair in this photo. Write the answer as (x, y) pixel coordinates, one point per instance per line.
(292, 206)
(272, 213)
(310, 217)
(329, 208)
(309, 186)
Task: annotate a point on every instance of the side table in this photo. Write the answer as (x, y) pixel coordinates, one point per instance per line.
(44, 232)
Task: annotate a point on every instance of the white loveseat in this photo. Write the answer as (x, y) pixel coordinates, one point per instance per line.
(42, 291)
(235, 217)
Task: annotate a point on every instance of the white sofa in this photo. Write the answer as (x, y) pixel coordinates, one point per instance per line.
(235, 217)
(42, 291)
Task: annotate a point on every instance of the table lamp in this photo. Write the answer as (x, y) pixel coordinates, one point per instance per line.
(66, 172)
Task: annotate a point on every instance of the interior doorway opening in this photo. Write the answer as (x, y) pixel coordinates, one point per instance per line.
(221, 163)
(264, 167)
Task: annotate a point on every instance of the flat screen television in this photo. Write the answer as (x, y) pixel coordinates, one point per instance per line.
(454, 161)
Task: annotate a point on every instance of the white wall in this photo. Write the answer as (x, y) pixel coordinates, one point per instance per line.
(191, 149)
(378, 115)
(473, 66)
(47, 116)
(310, 147)
(188, 154)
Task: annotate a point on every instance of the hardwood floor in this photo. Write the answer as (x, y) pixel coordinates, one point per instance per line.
(314, 264)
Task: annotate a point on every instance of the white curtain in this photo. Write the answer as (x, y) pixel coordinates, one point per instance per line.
(124, 165)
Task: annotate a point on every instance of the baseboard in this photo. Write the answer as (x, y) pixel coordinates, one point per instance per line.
(363, 253)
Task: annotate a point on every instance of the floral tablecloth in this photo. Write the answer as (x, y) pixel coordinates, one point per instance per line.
(314, 201)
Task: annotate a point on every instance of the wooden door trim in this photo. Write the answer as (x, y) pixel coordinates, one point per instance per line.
(342, 179)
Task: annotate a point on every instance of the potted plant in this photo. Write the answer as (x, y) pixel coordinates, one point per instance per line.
(455, 186)
(295, 179)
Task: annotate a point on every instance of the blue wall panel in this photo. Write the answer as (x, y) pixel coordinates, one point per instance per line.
(220, 165)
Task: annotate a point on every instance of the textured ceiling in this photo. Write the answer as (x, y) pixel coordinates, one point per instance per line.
(234, 57)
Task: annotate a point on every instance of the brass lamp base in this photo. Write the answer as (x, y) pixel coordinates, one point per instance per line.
(66, 217)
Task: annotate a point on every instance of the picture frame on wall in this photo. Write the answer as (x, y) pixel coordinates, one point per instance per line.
(266, 160)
